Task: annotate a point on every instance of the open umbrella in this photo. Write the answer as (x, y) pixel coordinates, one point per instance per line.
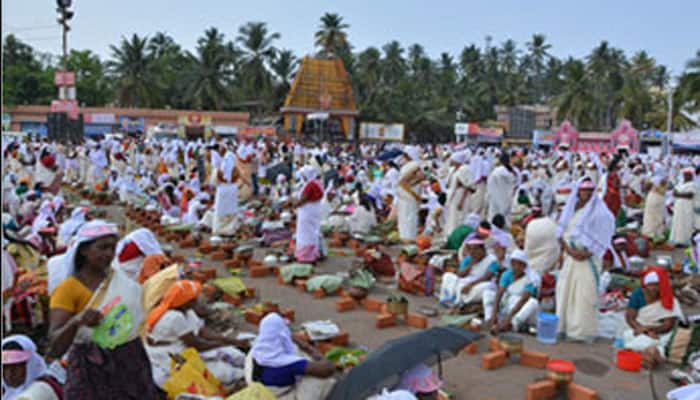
(383, 367)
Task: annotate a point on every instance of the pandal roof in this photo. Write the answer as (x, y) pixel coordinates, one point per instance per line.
(320, 80)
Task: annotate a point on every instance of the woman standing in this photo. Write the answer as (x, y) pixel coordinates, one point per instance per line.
(309, 214)
(653, 225)
(409, 200)
(95, 315)
(458, 190)
(613, 187)
(585, 229)
(683, 209)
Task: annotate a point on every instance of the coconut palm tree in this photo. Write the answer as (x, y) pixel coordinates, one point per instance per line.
(535, 64)
(284, 66)
(257, 52)
(690, 82)
(212, 71)
(575, 100)
(131, 66)
(331, 38)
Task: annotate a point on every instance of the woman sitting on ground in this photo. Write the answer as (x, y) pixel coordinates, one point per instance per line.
(515, 302)
(24, 374)
(174, 326)
(275, 361)
(652, 312)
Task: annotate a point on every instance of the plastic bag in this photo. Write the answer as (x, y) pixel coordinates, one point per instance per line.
(231, 285)
(254, 391)
(115, 328)
(190, 375)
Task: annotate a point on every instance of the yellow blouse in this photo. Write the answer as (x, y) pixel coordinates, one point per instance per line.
(70, 295)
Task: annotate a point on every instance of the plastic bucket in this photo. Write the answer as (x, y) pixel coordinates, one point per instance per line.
(628, 360)
(547, 325)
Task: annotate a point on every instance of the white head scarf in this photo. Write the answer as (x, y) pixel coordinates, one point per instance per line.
(595, 228)
(36, 367)
(227, 165)
(274, 346)
(309, 173)
(459, 157)
(89, 232)
(69, 227)
(144, 239)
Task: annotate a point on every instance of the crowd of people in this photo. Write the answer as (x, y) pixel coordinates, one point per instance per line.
(507, 232)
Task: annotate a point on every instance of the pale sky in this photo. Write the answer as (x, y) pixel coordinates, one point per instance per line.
(668, 30)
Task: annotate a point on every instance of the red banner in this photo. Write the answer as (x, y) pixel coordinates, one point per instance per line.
(69, 107)
(64, 78)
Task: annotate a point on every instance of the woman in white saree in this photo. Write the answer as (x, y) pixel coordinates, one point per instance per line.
(309, 215)
(458, 190)
(653, 225)
(586, 227)
(408, 199)
(652, 313)
(684, 209)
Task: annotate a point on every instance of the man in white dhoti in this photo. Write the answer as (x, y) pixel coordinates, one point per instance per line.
(586, 227)
(514, 303)
(458, 189)
(684, 209)
(476, 274)
(500, 187)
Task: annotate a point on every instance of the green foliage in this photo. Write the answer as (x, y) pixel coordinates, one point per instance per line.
(391, 83)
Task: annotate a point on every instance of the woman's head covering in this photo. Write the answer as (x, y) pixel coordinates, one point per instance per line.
(659, 276)
(595, 228)
(227, 165)
(274, 346)
(309, 173)
(459, 157)
(89, 232)
(181, 292)
(151, 265)
(144, 239)
(70, 226)
(36, 367)
(420, 379)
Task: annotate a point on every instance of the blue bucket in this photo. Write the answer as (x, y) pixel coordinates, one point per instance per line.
(547, 324)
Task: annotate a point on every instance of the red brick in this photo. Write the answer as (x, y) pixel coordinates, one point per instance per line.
(259, 272)
(250, 292)
(210, 273)
(416, 321)
(533, 359)
(253, 317)
(301, 285)
(471, 348)
(495, 344)
(345, 304)
(542, 390)
(341, 339)
(235, 300)
(199, 276)
(493, 360)
(269, 307)
(301, 335)
(578, 392)
(372, 305)
(324, 347)
(289, 314)
(187, 243)
(280, 280)
(205, 248)
(319, 293)
(385, 321)
(232, 264)
(218, 255)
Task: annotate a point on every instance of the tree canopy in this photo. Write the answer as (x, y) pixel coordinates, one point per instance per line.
(393, 83)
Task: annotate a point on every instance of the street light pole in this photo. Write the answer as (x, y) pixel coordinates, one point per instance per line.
(65, 47)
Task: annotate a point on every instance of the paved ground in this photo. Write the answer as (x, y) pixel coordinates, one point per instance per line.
(463, 375)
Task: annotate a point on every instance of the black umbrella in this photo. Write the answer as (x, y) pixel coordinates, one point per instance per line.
(383, 367)
(390, 154)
